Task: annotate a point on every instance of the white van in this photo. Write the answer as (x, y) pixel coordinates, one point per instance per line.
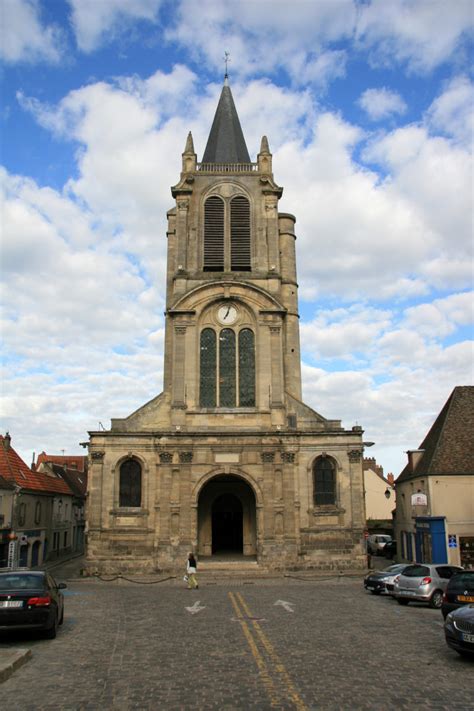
(376, 543)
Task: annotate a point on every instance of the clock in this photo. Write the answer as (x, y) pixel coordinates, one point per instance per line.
(227, 314)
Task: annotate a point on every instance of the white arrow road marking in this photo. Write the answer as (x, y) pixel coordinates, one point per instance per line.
(196, 608)
(287, 605)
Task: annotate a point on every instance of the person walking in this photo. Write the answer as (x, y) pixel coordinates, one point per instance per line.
(191, 566)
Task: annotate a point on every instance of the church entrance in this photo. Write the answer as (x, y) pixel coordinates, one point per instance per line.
(227, 518)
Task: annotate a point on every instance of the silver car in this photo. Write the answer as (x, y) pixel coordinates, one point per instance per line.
(423, 582)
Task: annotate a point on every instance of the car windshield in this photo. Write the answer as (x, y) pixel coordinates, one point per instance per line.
(15, 581)
(416, 571)
(463, 579)
(397, 568)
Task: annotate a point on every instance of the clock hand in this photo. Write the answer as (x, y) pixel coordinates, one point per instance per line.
(227, 312)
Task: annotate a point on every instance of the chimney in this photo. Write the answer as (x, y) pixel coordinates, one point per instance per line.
(7, 441)
(414, 456)
(390, 478)
(33, 463)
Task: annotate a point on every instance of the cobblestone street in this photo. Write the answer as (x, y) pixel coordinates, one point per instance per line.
(280, 643)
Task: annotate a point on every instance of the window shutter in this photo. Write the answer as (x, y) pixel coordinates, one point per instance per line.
(240, 235)
(214, 235)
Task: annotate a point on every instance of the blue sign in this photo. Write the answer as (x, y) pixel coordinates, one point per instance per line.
(452, 542)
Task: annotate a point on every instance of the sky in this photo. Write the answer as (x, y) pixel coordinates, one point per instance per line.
(367, 105)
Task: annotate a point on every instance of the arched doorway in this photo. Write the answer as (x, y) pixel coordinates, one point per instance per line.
(227, 520)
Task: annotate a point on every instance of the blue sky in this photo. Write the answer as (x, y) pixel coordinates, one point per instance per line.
(368, 110)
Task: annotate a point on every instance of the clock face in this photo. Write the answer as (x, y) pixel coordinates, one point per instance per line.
(227, 314)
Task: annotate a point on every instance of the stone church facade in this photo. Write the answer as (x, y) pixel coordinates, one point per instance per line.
(227, 460)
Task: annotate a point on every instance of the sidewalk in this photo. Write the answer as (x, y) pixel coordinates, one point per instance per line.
(10, 660)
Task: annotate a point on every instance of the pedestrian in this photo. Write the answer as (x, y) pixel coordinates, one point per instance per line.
(191, 566)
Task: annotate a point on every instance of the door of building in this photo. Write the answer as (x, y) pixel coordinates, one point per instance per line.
(227, 523)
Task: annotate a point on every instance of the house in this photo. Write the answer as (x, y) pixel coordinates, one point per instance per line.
(40, 512)
(7, 490)
(73, 470)
(379, 497)
(434, 520)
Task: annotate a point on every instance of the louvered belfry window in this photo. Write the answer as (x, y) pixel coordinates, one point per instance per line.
(214, 235)
(130, 487)
(227, 372)
(208, 368)
(240, 234)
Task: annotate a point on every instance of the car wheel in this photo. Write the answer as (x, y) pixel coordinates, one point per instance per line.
(401, 601)
(436, 599)
(52, 631)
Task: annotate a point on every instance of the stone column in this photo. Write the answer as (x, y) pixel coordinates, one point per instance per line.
(276, 366)
(179, 366)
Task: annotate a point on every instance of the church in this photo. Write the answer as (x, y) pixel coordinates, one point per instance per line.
(228, 461)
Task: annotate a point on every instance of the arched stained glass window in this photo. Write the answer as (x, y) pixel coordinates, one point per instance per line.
(246, 368)
(324, 476)
(227, 368)
(208, 368)
(240, 256)
(130, 487)
(214, 235)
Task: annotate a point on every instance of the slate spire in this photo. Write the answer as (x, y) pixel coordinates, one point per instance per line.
(226, 142)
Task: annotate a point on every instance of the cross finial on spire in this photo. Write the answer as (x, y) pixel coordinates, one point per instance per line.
(226, 60)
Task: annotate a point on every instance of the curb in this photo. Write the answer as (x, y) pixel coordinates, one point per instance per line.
(10, 660)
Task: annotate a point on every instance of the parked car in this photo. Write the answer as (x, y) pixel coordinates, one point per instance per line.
(423, 582)
(376, 543)
(390, 549)
(31, 600)
(381, 581)
(459, 630)
(459, 592)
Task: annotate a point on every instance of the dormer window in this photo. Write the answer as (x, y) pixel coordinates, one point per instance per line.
(227, 243)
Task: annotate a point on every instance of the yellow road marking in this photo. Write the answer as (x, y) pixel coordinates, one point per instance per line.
(277, 664)
(260, 662)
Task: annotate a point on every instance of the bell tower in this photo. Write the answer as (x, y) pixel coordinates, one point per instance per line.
(232, 333)
(227, 460)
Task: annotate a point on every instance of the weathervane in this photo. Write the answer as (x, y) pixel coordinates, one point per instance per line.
(226, 60)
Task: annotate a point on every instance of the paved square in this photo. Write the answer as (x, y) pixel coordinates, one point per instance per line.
(281, 643)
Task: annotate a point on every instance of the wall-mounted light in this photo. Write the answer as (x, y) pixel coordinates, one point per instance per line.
(387, 493)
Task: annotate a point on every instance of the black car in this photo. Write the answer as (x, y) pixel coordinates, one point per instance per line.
(381, 581)
(31, 600)
(390, 549)
(459, 592)
(459, 630)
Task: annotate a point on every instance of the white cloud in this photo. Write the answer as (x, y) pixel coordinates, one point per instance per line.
(441, 317)
(24, 37)
(381, 103)
(452, 111)
(95, 22)
(420, 33)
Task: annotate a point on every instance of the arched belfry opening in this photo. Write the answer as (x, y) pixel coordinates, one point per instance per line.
(227, 520)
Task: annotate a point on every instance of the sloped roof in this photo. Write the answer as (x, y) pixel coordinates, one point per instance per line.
(449, 445)
(226, 142)
(70, 461)
(14, 470)
(76, 480)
